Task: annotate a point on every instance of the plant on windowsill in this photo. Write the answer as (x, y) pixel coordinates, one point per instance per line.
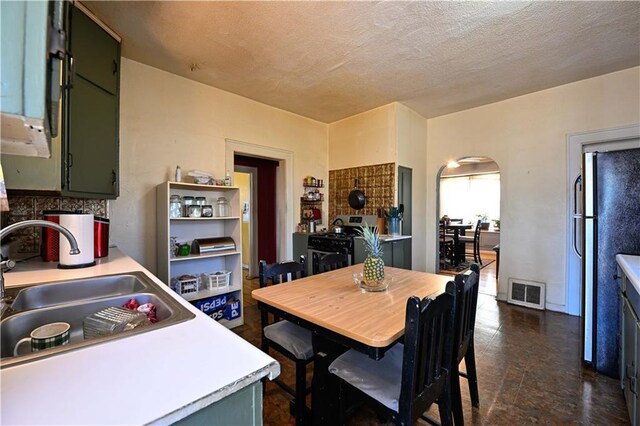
(496, 224)
(484, 221)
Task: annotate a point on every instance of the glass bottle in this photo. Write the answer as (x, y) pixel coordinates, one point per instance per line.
(175, 206)
(223, 207)
(187, 200)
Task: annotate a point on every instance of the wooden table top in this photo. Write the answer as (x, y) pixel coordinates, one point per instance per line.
(332, 300)
(458, 226)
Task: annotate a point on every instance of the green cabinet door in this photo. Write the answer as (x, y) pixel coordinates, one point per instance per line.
(96, 53)
(91, 102)
(91, 140)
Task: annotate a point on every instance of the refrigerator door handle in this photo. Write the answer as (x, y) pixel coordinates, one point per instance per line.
(577, 214)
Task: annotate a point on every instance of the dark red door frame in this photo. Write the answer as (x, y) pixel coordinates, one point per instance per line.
(266, 205)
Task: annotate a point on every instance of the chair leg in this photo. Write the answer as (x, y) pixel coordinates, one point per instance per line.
(456, 396)
(444, 405)
(472, 374)
(301, 393)
(342, 404)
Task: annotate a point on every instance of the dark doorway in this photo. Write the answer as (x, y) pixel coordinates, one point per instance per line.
(266, 205)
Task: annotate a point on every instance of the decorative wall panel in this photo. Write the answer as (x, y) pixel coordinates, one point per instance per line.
(377, 182)
(28, 207)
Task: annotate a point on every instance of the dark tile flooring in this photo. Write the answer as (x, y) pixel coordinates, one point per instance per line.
(529, 370)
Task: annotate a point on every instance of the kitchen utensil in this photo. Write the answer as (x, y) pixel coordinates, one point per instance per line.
(338, 226)
(50, 246)
(81, 226)
(100, 237)
(357, 199)
(46, 336)
(212, 245)
(112, 320)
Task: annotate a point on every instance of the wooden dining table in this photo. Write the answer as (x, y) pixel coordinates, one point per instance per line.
(342, 316)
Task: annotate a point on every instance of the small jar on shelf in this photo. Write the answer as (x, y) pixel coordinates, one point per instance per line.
(175, 206)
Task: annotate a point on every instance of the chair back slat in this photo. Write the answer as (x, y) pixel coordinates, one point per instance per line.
(466, 304)
(331, 262)
(277, 273)
(428, 348)
(280, 272)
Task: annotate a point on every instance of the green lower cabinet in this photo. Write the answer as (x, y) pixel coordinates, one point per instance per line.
(300, 245)
(394, 253)
(242, 408)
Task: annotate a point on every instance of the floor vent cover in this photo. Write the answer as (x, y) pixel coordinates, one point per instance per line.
(526, 293)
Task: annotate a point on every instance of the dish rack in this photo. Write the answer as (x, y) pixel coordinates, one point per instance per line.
(216, 280)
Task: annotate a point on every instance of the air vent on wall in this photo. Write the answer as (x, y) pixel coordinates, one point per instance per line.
(526, 293)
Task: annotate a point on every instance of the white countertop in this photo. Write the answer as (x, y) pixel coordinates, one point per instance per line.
(630, 265)
(156, 377)
(388, 238)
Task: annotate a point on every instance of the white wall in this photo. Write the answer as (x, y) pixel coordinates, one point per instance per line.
(167, 120)
(412, 152)
(363, 139)
(526, 136)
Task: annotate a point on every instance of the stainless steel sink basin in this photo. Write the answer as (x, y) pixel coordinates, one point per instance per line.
(82, 289)
(72, 302)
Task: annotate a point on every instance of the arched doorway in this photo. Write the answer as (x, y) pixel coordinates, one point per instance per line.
(468, 197)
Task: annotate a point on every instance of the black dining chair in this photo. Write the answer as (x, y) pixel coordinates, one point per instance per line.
(412, 375)
(447, 247)
(289, 339)
(475, 240)
(466, 303)
(331, 262)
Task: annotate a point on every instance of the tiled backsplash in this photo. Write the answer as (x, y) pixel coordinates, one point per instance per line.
(28, 207)
(377, 182)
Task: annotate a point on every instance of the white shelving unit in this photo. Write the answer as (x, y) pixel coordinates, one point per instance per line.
(185, 229)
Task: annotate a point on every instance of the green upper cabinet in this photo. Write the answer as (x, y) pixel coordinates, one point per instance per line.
(25, 105)
(91, 102)
(85, 154)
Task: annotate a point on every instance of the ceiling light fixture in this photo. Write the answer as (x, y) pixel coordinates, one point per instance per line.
(453, 164)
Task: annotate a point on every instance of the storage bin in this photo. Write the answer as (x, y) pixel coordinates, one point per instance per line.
(217, 280)
(185, 284)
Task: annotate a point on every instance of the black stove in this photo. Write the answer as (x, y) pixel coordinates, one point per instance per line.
(331, 242)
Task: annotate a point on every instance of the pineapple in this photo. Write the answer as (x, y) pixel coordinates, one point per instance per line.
(373, 269)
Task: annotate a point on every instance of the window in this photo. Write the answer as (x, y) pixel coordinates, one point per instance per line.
(466, 197)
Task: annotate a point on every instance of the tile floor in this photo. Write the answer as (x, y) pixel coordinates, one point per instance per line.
(528, 364)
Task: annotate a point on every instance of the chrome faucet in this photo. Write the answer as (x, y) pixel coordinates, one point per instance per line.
(26, 224)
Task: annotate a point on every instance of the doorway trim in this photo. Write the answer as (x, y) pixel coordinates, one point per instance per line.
(253, 214)
(613, 138)
(437, 210)
(284, 186)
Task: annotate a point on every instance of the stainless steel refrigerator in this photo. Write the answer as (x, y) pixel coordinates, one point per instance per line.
(611, 225)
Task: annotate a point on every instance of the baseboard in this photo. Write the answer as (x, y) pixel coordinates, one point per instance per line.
(555, 308)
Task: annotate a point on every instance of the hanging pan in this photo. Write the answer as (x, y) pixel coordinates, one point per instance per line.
(357, 200)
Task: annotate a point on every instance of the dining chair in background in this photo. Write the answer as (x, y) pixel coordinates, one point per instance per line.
(289, 339)
(447, 247)
(412, 375)
(466, 304)
(475, 240)
(331, 262)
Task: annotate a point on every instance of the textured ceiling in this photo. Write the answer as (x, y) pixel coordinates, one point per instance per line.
(331, 60)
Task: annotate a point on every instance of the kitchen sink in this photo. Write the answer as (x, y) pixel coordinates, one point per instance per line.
(72, 302)
(50, 294)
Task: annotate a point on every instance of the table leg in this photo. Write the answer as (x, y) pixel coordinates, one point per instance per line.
(325, 404)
